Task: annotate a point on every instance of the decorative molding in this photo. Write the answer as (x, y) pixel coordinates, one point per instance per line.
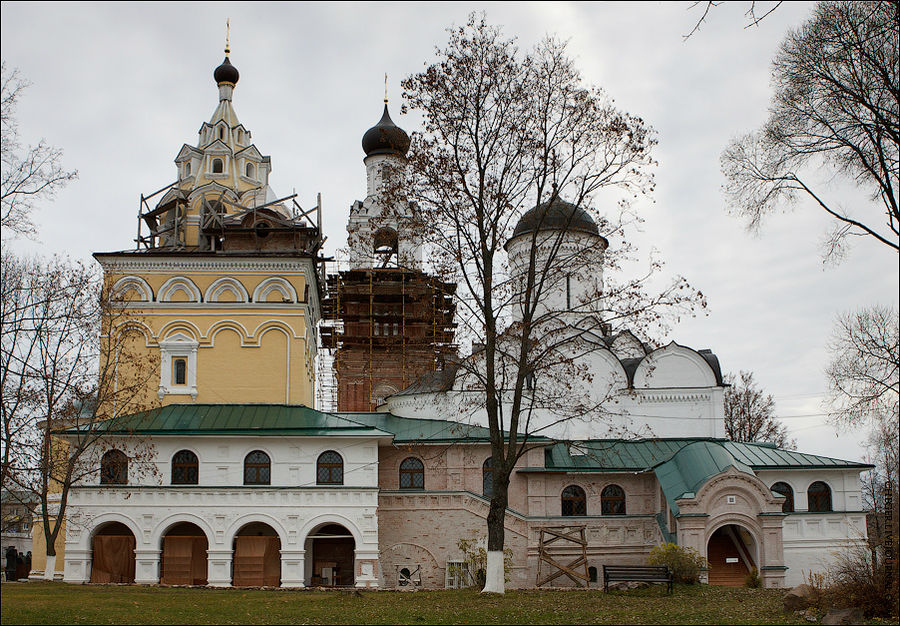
(152, 263)
(179, 283)
(226, 283)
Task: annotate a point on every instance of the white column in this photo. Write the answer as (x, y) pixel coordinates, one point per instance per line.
(78, 568)
(219, 567)
(146, 567)
(292, 568)
(365, 565)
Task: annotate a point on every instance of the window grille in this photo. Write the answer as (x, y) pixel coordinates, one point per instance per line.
(330, 469)
(412, 474)
(257, 468)
(574, 501)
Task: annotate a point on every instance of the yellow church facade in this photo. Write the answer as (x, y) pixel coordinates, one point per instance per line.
(223, 290)
(221, 329)
(219, 302)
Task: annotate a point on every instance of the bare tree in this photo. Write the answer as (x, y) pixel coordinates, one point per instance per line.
(864, 390)
(68, 361)
(750, 413)
(835, 106)
(508, 134)
(754, 14)
(30, 173)
(864, 371)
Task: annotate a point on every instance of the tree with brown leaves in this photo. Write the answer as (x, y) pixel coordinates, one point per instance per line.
(62, 368)
(516, 150)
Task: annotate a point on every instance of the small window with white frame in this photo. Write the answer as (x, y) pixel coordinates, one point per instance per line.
(178, 365)
(458, 576)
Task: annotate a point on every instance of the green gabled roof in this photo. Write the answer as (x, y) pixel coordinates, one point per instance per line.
(690, 468)
(681, 465)
(410, 429)
(239, 419)
(644, 454)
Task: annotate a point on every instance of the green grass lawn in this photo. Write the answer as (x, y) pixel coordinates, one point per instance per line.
(59, 603)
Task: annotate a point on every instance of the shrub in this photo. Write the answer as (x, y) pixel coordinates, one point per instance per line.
(685, 563)
(752, 579)
(858, 580)
(474, 570)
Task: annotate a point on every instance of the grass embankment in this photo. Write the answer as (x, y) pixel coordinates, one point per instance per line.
(59, 603)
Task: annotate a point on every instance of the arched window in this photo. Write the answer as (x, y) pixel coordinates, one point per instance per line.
(221, 133)
(592, 574)
(784, 489)
(612, 500)
(114, 468)
(218, 166)
(185, 468)
(179, 372)
(819, 495)
(187, 168)
(574, 501)
(412, 474)
(250, 170)
(257, 468)
(330, 469)
(487, 477)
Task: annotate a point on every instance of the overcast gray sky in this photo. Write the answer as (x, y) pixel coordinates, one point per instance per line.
(122, 86)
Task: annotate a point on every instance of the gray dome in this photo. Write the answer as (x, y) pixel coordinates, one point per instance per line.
(556, 215)
(385, 137)
(226, 73)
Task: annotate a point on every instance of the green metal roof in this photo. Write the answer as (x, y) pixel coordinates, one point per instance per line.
(240, 419)
(644, 454)
(294, 420)
(409, 429)
(681, 465)
(689, 468)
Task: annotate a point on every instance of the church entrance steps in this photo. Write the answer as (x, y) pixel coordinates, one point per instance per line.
(729, 558)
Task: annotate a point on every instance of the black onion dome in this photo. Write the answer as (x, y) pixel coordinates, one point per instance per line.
(385, 137)
(556, 215)
(226, 73)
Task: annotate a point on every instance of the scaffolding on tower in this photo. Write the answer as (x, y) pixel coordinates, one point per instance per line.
(384, 328)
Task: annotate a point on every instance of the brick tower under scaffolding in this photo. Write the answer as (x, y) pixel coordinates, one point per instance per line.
(390, 323)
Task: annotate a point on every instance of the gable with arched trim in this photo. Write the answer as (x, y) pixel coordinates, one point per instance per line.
(217, 291)
(275, 284)
(124, 285)
(179, 284)
(674, 366)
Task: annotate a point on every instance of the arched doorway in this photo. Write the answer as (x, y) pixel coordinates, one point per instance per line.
(257, 557)
(113, 554)
(332, 549)
(731, 553)
(183, 559)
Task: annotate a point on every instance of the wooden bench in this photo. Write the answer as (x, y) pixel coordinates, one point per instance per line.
(638, 573)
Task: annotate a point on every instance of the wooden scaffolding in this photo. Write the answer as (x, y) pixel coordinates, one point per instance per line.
(556, 544)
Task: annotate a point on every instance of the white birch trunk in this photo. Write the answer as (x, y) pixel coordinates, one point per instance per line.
(495, 577)
(50, 567)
